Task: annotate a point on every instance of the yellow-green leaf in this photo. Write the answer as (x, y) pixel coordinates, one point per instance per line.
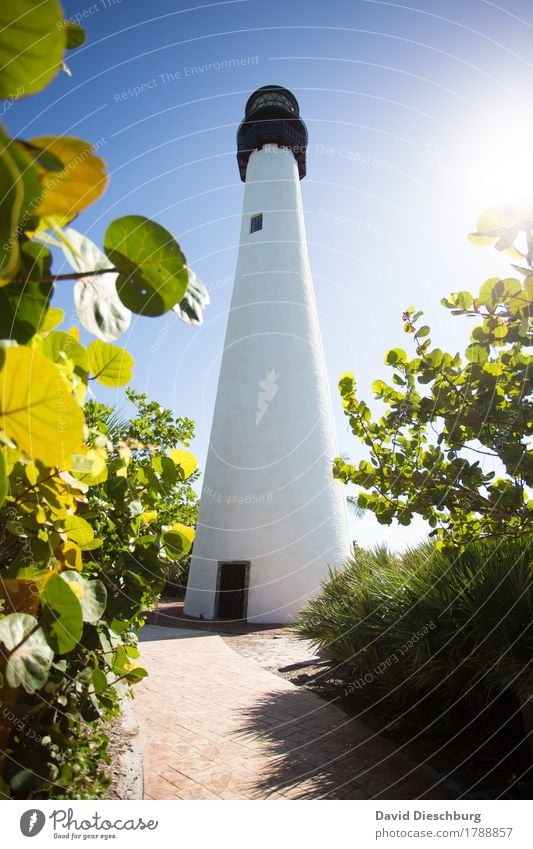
(32, 42)
(480, 240)
(69, 555)
(37, 410)
(78, 530)
(178, 541)
(90, 468)
(148, 516)
(52, 319)
(185, 459)
(61, 347)
(493, 221)
(110, 364)
(81, 181)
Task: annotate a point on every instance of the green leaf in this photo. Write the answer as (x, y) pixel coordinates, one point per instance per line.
(500, 331)
(12, 196)
(346, 384)
(422, 331)
(487, 293)
(78, 530)
(60, 347)
(92, 595)
(100, 310)
(110, 364)
(395, 357)
(464, 300)
(191, 307)
(99, 681)
(476, 353)
(43, 158)
(36, 262)
(493, 221)
(63, 613)
(178, 541)
(30, 656)
(379, 387)
(23, 308)
(76, 35)
(153, 275)
(32, 42)
(3, 478)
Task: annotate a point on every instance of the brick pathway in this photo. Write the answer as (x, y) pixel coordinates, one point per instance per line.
(215, 725)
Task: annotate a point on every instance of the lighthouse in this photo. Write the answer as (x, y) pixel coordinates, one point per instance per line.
(272, 519)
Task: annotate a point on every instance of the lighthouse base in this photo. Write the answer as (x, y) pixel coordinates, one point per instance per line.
(262, 590)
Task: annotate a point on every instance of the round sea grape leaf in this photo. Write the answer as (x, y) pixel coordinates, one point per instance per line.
(78, 530)
(185, 459)
(190, 308)
(59, 347)
(30, 656)
(32, 43)
(153, 275)
(493, 221)
(395, 356)
(91, 594)
(37, 410)
(63, 616)
(476, 353)
(178, 541)
(76, 35)
(53, 318)
(110, 364)
(100, 310)
(81, 181)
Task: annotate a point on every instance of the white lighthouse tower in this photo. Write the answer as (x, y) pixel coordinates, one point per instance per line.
(272, 519)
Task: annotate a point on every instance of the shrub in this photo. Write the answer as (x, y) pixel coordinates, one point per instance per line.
(444, 412)
(430, 624)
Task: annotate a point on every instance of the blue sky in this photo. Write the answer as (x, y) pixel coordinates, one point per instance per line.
(418, 120)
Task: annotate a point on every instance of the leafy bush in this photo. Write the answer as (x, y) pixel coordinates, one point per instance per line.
(429, 624)
(444, 413)
(146, 508)
(88, 518)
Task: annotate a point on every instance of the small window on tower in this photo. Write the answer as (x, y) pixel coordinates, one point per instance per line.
(256, 223)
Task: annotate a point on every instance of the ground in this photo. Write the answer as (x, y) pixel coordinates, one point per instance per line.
(246, 712)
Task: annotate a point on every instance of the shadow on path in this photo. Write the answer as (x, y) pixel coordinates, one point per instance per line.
(324, 753)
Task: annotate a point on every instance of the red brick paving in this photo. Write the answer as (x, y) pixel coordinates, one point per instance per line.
(217, 726)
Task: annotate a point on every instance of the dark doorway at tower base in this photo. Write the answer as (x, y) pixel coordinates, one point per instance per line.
(232, 595)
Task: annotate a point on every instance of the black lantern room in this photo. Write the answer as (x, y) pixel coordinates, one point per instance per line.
(272, 116)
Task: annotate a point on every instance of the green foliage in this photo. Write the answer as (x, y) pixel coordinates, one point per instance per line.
(86, 501)
(32, 43)
(109, 364)
(28, 654)
(445, 413)
(75, 34)
(145, 509)
(456, 628)
(155, 276)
